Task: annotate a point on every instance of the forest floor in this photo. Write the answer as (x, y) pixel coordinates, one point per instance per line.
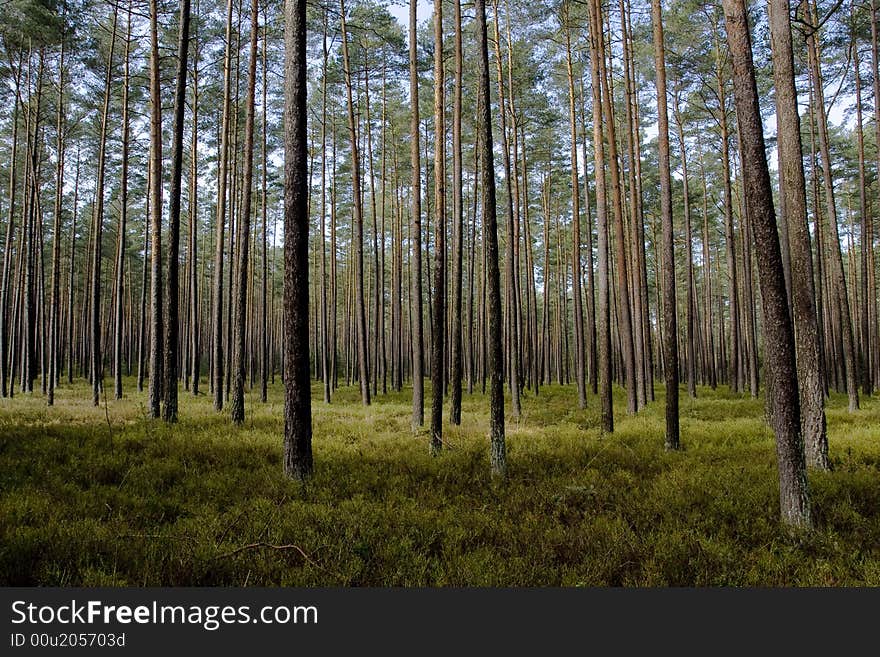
(104, 496)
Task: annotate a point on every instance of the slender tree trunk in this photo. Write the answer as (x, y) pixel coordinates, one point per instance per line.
(734, 371)
(297, 400)
(194, 308)
(142, 316)
(418, 416)
(510, 267)
(56, 238)
(223, 176)
(5, 314)
(579, 355)
(498, 454)
(70, 272)
(836, 261)
(156, 307)
(603, 323)
(123, 219)
(873, 319)
(360, 306)
(325, 342)
(439, 342)
(98, 225)
(867, 238)
(244, 223)
(457, 222)
(690, 319)
(670, 311)
(793, 191)
(172, 293)
(625, 325)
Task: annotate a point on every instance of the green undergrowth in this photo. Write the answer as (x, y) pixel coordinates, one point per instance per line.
(105, 496)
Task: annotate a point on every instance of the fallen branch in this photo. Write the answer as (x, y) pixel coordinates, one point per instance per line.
(263, 544)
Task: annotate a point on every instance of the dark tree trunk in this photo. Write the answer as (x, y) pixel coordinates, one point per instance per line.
(457, 224)
(172, 294)
(195, 363)
(156, 308)
(670, 311)
(244, 231)
(498, 454)
(418, 340)
(439, 317)
(56, 239)
(297, 397)
(123, 221)
(98, 225)
(223, 175)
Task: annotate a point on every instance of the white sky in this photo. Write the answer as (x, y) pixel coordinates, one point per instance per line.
(400, 10)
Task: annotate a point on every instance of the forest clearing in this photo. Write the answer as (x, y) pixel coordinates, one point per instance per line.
(135, 502)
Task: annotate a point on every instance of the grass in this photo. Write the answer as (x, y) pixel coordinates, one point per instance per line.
(105, 497)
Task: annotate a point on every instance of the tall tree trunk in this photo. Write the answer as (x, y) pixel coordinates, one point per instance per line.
(418, 340)
(873, 319)
(55, 304)
(867, 239)
(690, 317)
(779, 336)
(457, 222)
(5, 314)
(244, 231)
(734, 370)
(194, 308)
(123, 220)
(360, 306)
(326, 346)
(172, 294)
(510, 267)
(156, 308)
(836, 261)
(222, 181)
(794, 192)
(97, 229)
(297, 399)
(603, 324)
(622, 266)
(670, 311)
(439, 342)
(579, 355)
(142, 315)
(498, 454)
(70, 273)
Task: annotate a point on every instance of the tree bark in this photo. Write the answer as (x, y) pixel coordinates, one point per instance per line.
(223, 175)
(782, 390)
(439, 317)
(172, 294)
(98, 225)
(244, 222)
(297, 396)
(670, 311)
(794, 195)
(156, 324)
(418, 415)
(497, 452)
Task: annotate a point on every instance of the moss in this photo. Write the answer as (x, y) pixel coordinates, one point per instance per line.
(104, 496)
